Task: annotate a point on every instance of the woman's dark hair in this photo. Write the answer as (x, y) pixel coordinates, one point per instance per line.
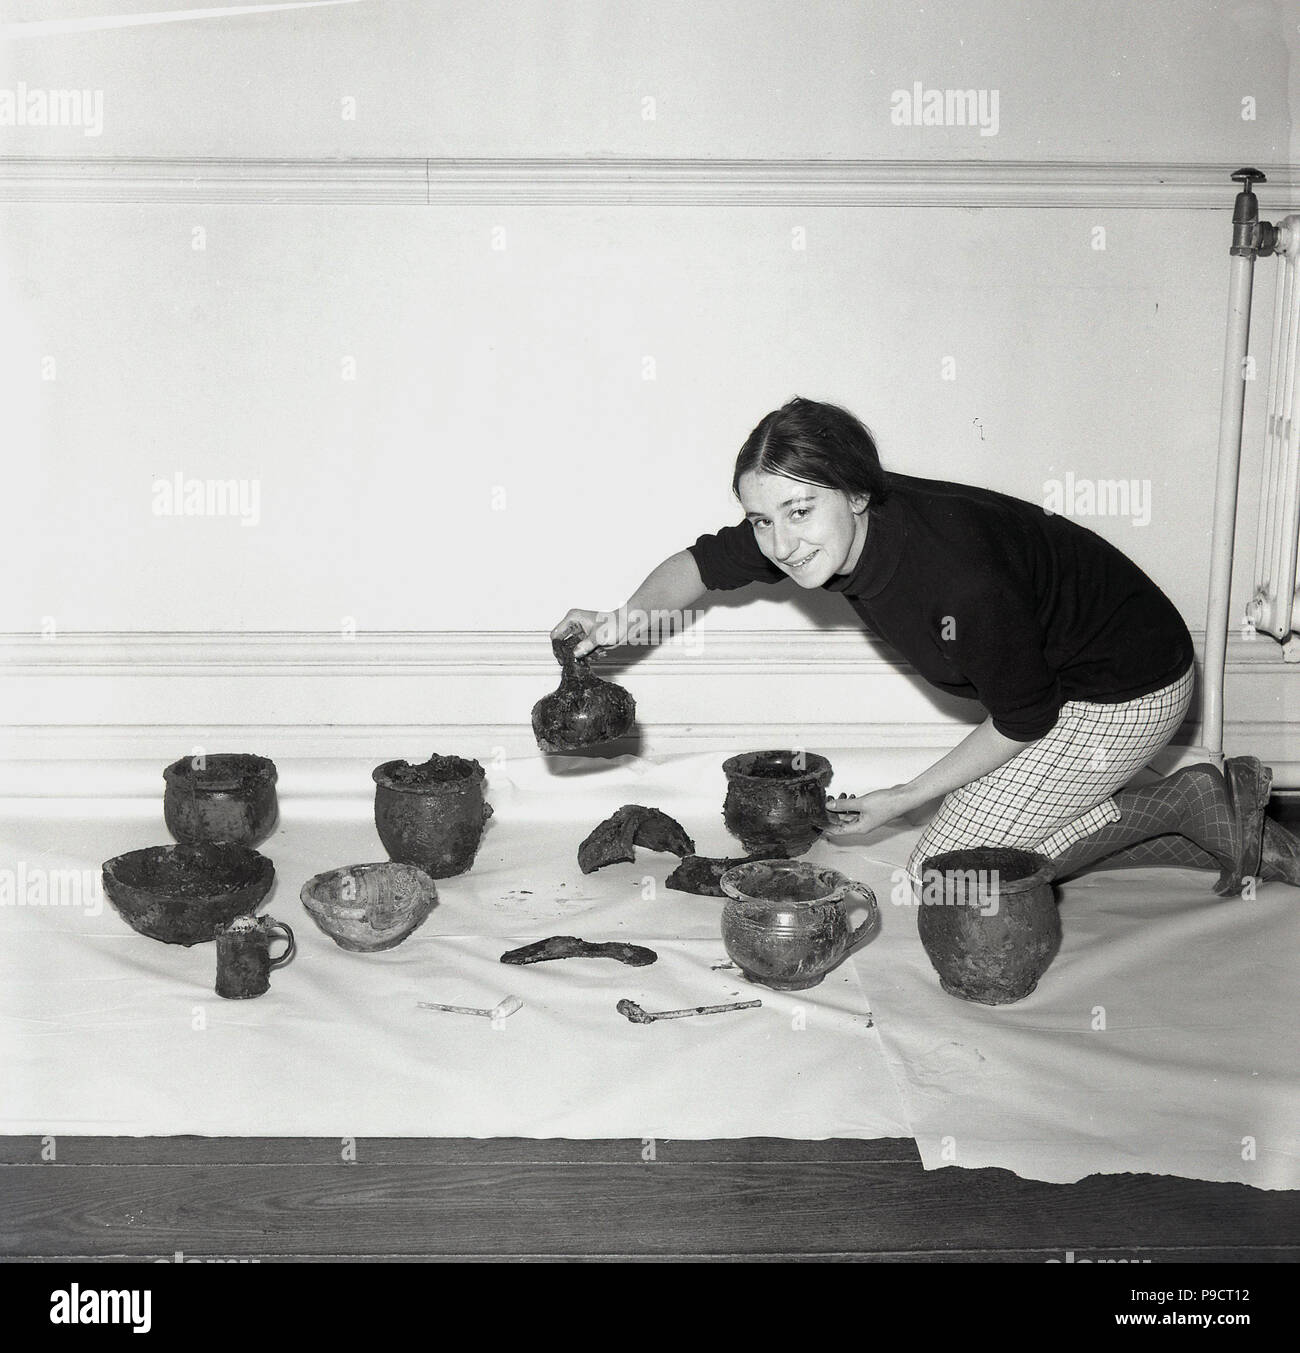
(815, 444)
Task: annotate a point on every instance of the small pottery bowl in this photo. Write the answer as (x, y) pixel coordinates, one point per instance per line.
(181, 894)
(776, 800)
(225, 797)
(368, 907)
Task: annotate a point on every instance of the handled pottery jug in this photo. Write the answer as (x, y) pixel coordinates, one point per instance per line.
(786, 922)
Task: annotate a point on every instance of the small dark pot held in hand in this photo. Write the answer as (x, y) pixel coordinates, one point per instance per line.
(988, 922)
(432, 814)
(583, 710)
(776, 801)
(224, 798)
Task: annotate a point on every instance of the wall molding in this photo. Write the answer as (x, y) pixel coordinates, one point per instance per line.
(274, 653)
(626, 181)
(110, 699)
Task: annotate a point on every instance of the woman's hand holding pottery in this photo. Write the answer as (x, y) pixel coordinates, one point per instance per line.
(600, 629)
(861, 813)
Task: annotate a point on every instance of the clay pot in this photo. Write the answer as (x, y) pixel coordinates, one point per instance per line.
(583, 711)
(786, 922)
(431, 814)
(776, 801)
(989, 922)
(181, 894)
(228, 798)
(369, 907)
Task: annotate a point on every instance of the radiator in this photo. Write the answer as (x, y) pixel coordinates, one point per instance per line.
(1273, 608)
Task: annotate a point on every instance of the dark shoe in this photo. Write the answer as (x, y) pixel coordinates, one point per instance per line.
(1248, 782)
(1280, 858)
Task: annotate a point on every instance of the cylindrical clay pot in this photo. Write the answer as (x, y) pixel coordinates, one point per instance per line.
(776, 801)
(988, 922)
(431, 814)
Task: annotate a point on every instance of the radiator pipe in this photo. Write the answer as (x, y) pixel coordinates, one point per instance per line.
(1250, 238)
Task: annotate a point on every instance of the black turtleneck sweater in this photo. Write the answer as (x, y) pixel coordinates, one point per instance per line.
(992, 598)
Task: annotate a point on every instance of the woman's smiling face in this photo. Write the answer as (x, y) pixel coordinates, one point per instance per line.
(811, 532)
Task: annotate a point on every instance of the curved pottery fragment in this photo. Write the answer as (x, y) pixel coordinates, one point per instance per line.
(614, 841)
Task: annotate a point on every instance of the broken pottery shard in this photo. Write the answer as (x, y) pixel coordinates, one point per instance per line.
(658, 831)
(609, 843)
(569, 946)
(700, 874)
(615, 840)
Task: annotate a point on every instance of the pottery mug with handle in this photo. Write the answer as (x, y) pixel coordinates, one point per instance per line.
(244, 962)
(786, 922)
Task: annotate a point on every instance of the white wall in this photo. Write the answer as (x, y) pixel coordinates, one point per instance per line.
(1110, 79)
(500, 456)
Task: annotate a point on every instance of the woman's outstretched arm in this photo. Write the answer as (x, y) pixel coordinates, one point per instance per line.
(656, 607)
(982, 750)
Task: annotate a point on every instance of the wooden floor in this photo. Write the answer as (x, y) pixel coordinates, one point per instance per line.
(757, 1198)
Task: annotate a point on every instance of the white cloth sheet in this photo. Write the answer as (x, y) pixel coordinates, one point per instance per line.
(1162, 1039)
(103, 1031)
(1194, 1072)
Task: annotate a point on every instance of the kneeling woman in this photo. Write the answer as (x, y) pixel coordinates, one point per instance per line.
(1084, 666)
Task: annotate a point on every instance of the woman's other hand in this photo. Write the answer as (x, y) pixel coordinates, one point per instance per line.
(600, 630)
(861, 813)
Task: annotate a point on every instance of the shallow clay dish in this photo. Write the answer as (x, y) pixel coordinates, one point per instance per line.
(181, 894)
(368, 907)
